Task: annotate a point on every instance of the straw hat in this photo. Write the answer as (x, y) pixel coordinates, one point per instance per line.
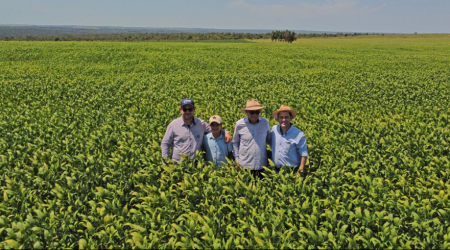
(282, 109)
(252, 104)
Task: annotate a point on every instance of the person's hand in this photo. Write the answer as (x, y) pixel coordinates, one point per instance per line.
(227, 138)
(301, 174)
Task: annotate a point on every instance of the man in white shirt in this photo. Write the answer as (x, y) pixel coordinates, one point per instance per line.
(250, 137)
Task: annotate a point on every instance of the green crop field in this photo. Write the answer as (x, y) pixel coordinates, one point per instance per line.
(81, 125)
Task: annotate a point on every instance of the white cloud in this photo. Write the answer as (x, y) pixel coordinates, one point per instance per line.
(306, 10)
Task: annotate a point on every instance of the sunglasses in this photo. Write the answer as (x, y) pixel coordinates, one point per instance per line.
(254, 112)
(188, 109)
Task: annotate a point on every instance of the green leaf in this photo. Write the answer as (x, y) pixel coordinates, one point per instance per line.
(12, 243)
(137, 237)
(260, 242)
(82, 243)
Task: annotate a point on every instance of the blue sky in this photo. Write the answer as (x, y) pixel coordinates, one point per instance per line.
(388, 16)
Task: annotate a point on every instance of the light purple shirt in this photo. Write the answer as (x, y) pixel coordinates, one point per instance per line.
(249, 143)
(184, 139)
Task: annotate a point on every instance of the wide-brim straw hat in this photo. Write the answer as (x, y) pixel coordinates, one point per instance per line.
(282, 109)
(252, 104)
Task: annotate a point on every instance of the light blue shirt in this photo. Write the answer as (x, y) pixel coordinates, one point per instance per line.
(216, 149)
(288, 149)
(249, 143)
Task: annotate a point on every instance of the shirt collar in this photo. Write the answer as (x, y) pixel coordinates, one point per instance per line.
(193, 122)
(246, 119)
(218, 138)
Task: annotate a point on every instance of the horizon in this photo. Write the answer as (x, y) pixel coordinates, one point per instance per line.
(263, 30)
(383, 16)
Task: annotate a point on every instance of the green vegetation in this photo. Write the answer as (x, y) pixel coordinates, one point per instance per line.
(70, 33)
(286, 36)
(81, 123)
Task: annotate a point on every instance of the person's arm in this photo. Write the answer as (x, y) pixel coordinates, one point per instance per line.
(225, 133)
(230, 151)
(205, 147)
(167, 142)
(236, 144)
(302, 163)
(302, 150)
(227, 136)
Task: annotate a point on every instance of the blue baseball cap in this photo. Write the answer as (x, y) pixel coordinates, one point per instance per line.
(187, 101)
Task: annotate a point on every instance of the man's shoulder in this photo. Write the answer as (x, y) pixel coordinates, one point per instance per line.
(240, 121)
(297, 131)
(198, 120)
(176, 121)
(264, 120)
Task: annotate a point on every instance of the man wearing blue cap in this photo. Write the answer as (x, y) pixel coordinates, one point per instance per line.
(185, 134)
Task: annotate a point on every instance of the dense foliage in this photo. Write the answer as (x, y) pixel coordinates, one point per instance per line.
(286, 36)
(81, 124)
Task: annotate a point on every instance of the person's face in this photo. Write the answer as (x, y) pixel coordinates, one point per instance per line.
(253, 115)
(215, 127)
(284, 118)
(187, 112)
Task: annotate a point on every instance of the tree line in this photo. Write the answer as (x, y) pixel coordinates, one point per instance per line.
(284, 36)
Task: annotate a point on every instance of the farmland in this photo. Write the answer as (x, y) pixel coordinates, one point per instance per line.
(81, 124)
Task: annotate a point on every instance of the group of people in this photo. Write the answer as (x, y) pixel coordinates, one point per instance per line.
(188, 134)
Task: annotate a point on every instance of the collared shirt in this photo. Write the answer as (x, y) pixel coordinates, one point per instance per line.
(288, 149)
(249, 143)
(216, 150)
(185, 139)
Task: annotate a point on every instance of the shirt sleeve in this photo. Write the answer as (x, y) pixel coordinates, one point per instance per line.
(236, 143)
(205, 126)
(167, 141)
(302, 148)
(229, 147)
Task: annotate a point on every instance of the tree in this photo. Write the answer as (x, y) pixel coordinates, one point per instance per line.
(286, 36)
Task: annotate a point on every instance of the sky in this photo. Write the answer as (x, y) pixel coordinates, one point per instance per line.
(379, 16)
